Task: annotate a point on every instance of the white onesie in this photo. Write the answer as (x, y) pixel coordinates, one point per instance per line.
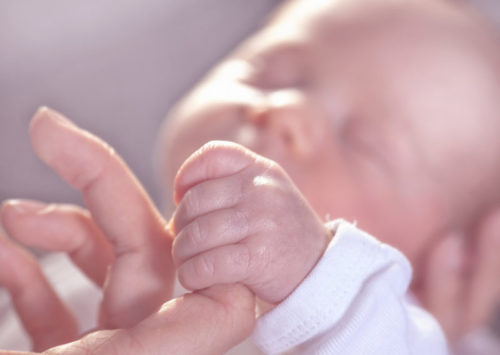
(353, 302)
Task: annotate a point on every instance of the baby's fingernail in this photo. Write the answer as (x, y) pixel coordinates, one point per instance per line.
(24, 206)
(55, 116)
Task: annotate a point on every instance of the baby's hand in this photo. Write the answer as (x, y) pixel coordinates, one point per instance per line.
(241, 219)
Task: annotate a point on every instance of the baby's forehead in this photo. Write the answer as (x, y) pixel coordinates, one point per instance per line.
(344, 22)
(409, 46)
(430, 53)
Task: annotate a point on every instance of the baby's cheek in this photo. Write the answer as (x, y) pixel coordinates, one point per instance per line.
(409, 226)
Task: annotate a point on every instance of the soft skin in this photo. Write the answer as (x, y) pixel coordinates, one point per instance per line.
(241, 219)
(381, 112)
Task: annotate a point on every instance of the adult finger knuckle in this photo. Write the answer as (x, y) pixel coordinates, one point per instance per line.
(84, 179)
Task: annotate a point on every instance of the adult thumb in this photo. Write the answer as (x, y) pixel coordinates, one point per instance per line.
(208, 322)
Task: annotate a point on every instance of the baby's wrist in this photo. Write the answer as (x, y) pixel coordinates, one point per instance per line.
(320, 249)
(314, 256)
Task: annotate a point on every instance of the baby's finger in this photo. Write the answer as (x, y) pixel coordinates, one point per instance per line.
(227, 264)
(211, 230)
(484, 288)
(443, 283)
(64, 228)
(206, 197)
(45, 318)
(142, 276)
(214, 160)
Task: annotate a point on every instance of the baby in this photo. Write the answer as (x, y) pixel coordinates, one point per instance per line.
(372, 111)
(381, 112)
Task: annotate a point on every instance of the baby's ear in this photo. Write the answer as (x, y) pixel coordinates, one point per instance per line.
(213, 160)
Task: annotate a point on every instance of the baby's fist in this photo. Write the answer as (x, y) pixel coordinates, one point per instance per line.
(240, 218)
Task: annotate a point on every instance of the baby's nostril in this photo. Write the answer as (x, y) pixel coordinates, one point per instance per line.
(257, 111)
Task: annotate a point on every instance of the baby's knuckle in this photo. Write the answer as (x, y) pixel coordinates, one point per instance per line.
(203, 267)
(196, 233)
(190, 201)
(239, 221)
(261, 258)
(253, 259)
(243, 257)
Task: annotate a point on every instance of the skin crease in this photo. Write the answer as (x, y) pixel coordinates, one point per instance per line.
(374, 109)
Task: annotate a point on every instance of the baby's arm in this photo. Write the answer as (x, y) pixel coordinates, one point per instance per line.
(241, 219)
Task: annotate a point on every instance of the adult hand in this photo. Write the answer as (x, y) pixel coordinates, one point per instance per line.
(121, 242)
(209, 323)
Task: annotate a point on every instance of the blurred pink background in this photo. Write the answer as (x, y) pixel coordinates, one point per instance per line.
(113, 67)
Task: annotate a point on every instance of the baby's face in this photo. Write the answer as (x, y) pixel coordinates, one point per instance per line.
(374, 110)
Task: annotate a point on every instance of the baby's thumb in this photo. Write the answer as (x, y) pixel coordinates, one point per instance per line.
(209, 322)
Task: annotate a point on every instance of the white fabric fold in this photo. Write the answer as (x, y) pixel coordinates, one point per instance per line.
(353, 302)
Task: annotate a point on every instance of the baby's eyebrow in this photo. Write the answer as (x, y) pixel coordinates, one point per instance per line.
(278, 65)
(276, 52)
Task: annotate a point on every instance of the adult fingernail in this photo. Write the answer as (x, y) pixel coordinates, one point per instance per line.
(54, 116)
(23, 206)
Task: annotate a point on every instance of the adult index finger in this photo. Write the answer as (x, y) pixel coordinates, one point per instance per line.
(141, 277)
